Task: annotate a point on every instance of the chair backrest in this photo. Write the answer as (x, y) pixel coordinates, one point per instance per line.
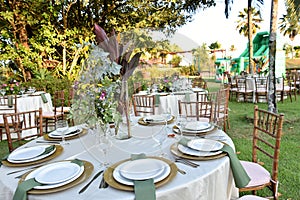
(261, 84)
(8, 104)
(267, 134)
(221, 105)
(197, 110)
(241, 84)
(143, 105)
(16, 123)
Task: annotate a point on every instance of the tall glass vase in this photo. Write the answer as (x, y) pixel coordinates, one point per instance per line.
(123, 126)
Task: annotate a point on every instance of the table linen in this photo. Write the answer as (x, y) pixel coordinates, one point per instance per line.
(212, 180)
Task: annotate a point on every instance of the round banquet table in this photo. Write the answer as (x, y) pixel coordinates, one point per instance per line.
(211, 180)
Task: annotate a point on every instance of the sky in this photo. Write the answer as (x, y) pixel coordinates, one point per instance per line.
(211, 26)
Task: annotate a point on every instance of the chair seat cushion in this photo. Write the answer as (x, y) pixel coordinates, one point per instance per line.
(51, 114)
(251, 197)
(258, 174)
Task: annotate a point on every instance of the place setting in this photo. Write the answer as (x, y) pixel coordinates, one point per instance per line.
(156, 120)
(194, 128)
(198, 149)
(67, 133)
(53, 177)
(32, 155)
(141, 174)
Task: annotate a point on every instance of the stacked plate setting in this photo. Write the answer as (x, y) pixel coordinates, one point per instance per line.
(201, 147)
(72, 131)
(141, 169)
(30, 154)
(156, 119)
(196, 127)
(56, 174)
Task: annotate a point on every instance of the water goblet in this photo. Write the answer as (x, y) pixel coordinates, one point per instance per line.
(3, 91)
(166, 115)
(22, 91)
(104, 143)
(61, 127)
(181, 121)
(159, 135)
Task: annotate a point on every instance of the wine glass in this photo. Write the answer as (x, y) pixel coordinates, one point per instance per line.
(159, 135)
(61, 127)
(104, 143)
(3, 91)
(181, 121)
(166, 115)
(22, 91)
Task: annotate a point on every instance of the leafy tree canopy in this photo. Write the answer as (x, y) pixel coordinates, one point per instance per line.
(39, 34)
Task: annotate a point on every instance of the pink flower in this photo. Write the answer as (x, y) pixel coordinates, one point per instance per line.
(102, 96)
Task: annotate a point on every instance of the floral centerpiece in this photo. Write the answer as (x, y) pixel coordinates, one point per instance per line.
(102, 91)
(12, 87)
(166, 83)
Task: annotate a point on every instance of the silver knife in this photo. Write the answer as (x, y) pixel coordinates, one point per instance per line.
(89, 183)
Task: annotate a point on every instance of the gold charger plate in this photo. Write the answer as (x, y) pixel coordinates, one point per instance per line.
(58, 151)
(108, 175)
(142, 122)
(176, 130)
(88, 169)
(176, 152)
(83, 132)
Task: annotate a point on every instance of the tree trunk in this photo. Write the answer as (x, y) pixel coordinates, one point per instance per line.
(250, 37)
(272, 107)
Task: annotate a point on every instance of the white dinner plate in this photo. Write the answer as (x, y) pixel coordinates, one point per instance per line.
(29, 154)
(67, 179)
(60, 172)
(154, 118)
(142, 169)
(187, 131)
(203, 144)
(69, 133)
(118, 177)
(197, 126)
(193, 152)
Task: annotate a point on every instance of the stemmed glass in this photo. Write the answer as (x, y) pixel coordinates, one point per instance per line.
(3, 91)
(159, 135)
(166, 115)
(61, 127)
(181, 121)
(103, 141)
(22, 91)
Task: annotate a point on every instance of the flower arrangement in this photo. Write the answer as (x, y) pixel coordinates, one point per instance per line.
(12, 87)
(102, 91)
(166, 83)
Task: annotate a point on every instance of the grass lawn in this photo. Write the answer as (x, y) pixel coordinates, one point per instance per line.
(241, 116)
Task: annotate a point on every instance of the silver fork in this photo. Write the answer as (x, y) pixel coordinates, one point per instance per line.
(187, 162)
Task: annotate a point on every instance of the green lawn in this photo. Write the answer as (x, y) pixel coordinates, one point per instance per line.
(241, 116)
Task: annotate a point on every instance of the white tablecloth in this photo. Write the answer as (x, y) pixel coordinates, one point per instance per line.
(33, 102)
(211, 181)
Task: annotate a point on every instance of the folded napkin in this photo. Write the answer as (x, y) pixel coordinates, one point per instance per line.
(21, 191)
(10, 101)
(240, 176)
(44, 98)
(143, 189)
(187, 97)
(3, 158)
(156, 100)
(48, 150)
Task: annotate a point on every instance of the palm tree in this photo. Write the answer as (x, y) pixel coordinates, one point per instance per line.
(245, 24)
(289, 23)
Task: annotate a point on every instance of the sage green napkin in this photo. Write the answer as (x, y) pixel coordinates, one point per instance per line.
(143, 189)
(187, 97)
(240, 176)
(44, 98)
(156, 100)
(3, 158)
(10, 101)
(21, 191)
(48, 150)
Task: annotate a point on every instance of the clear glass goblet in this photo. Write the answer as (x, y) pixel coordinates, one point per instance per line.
(61, 127)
